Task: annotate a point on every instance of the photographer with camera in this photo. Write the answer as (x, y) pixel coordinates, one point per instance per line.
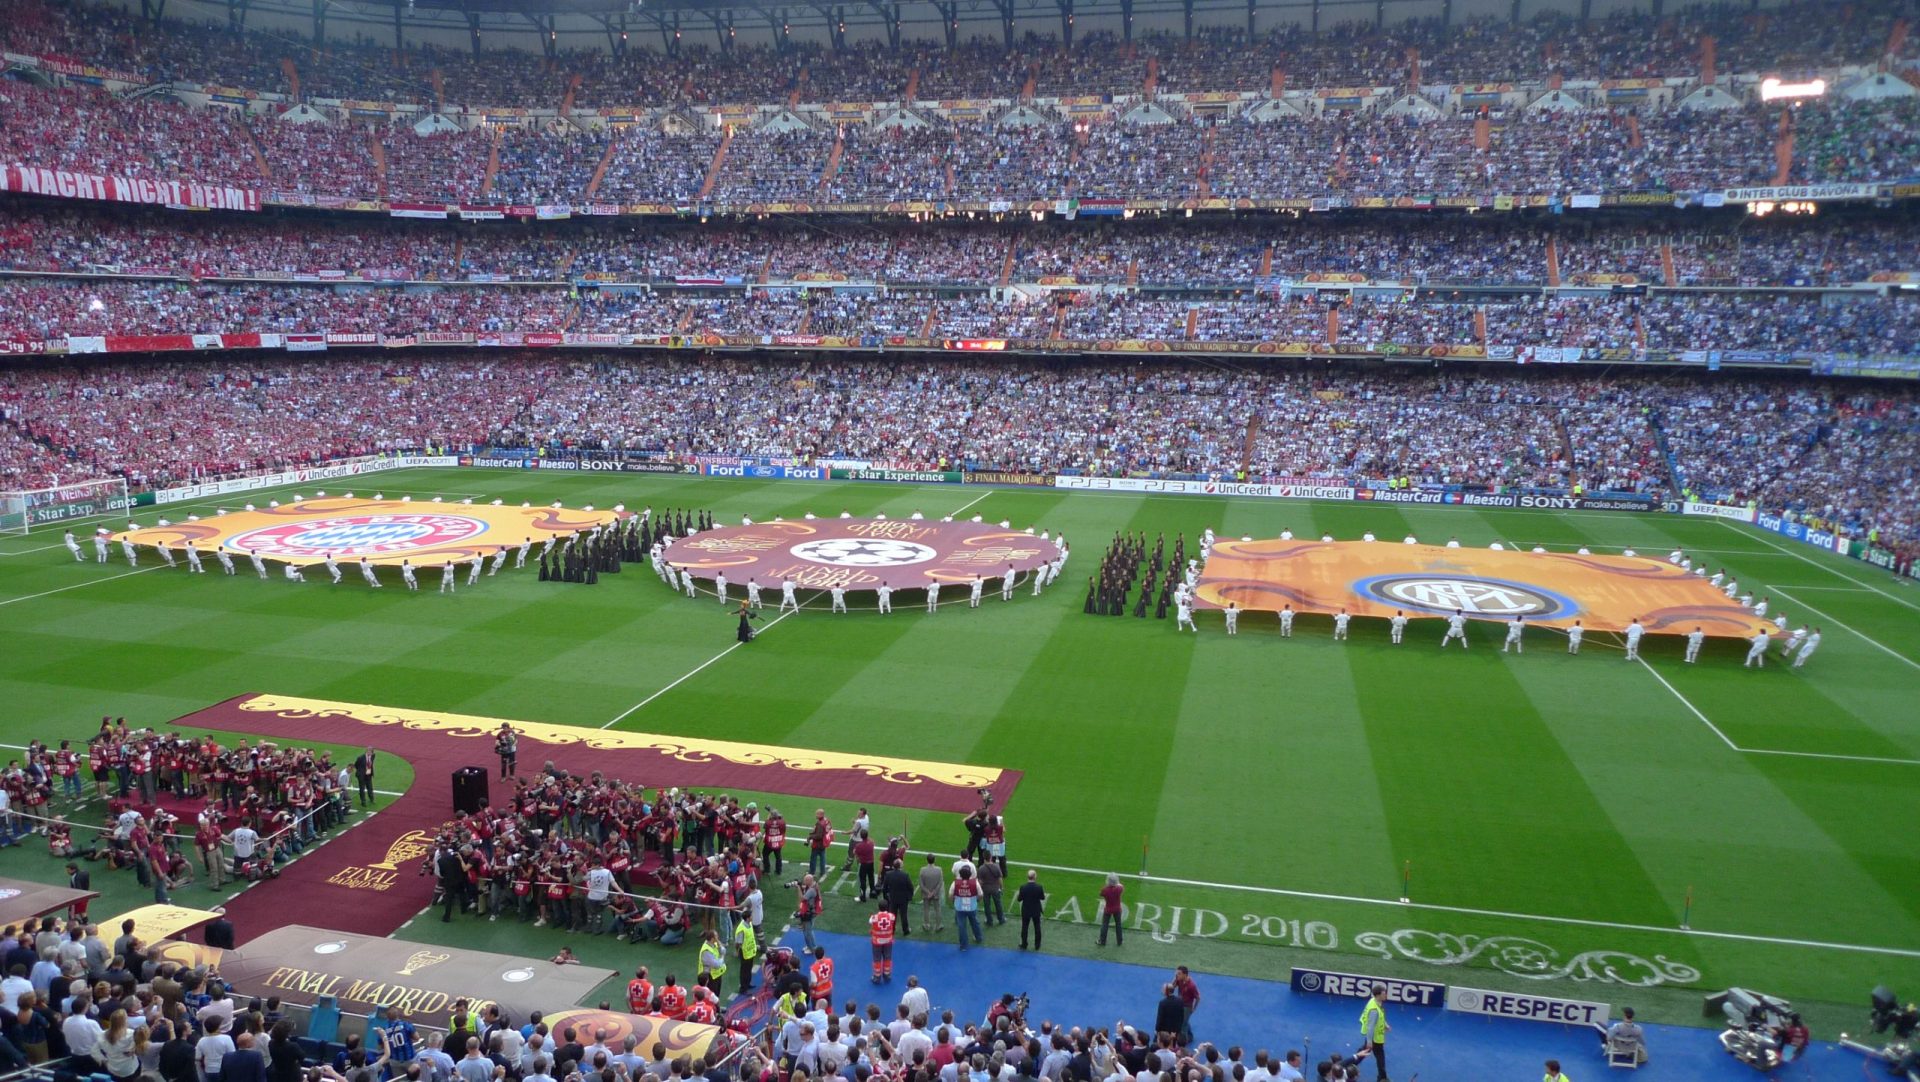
(807, 907)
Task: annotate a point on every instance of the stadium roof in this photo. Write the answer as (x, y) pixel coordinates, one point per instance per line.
(595, 24)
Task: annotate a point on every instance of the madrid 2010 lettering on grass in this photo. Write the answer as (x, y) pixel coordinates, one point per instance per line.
(1516, 956)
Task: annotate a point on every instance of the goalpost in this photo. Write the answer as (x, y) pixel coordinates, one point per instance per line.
(23, 509)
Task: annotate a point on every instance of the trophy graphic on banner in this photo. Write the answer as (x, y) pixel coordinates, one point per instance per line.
(420, 960)
(412, 845)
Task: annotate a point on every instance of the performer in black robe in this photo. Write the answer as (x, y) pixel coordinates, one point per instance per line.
(1091, 594)
(746, 613)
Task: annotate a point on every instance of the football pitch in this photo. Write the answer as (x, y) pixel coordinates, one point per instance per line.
(1269, 801)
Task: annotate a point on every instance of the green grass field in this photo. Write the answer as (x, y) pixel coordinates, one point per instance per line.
(1555, 810)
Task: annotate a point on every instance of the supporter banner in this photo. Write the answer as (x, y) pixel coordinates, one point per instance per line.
(418, 210)
(66, 184)
(28, 345)
(1802, 193)
(541, 338)
(1002, 477)
(353, 339)
(1178, 487)
(482, 214)
(446, 338)
(306, 343)
(344, 468)
(925, 477)
(598, 210)
(1718, 510)
(593, 339)
(1578, 1012)
(1327, 982)
(552, 211)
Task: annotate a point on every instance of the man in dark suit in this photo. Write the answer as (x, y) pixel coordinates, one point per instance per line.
(897, 886)
(244, 1063)
(79, 879)
(363, 776)
(453, 884)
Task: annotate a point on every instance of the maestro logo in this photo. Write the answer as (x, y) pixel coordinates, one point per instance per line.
(358, 534)
(1470, 594)
(863, 552)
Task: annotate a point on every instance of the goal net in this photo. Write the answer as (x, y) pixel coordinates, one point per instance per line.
(24, 510)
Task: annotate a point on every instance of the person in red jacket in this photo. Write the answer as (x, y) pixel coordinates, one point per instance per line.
(880, 931)
(673, 999)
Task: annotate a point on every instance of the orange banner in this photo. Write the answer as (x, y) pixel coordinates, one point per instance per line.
(1604, 593)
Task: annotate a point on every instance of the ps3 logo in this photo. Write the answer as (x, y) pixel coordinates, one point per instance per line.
(1473, 595)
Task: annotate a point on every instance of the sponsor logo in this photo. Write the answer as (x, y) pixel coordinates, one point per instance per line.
(1359, 986)
(501, 463)
(601, 464)
(1719, 510)
(555, 464)
(359, 535)
(766, 471)
(864, 552)
(726, 471)
(651, 467)
(1482, 499)
(1532, 1008)
(1382, 495)
(1565, 503)
(1470, 594)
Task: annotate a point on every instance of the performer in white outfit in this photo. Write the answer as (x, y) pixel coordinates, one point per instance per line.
(1695, 640)
(1397, 625)
(1456, 629)
(885, 595)
(787, 603)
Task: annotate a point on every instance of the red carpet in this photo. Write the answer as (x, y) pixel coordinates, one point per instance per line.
(366, 879)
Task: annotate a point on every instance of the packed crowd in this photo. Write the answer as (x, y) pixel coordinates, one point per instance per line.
(1830, 451)
(1339, 154)
(1790, 39)
(166, 424)
(1834, 249)
(40, 309)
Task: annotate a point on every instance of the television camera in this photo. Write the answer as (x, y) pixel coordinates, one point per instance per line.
(1892, 1027)
(1756, 1026)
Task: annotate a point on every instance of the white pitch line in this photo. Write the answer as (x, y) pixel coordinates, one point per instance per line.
(1689, 705)
(698, 669)
(1836, 589)
(1469, 911)
(78, 585)
(1771, 751)
(971, 502)
(1829, 755)
(1822, 566)
(1830, 619)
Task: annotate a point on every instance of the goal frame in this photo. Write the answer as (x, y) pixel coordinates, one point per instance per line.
(22, 510)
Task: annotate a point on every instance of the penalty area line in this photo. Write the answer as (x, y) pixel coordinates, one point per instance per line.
(702, 667)
(1876, 643)
(1684, 701)
(969, 504)
(1804, 558)
(1886, 760)
(78, 585)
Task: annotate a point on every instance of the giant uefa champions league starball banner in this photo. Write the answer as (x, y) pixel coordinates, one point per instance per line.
(861, 553)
